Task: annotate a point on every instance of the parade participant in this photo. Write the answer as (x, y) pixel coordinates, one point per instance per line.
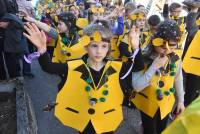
(91, 96)
(138, 19)
(75, 10)
(146, 36)
(153, 21)
(191, 56)
(13, 46)
(82, 10)
(106, 3)
(129, 8)
(95, 12)
(174, 12)
(116, 24)
(162, 79)
(67, 46)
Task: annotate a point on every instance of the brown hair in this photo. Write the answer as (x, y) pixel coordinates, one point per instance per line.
(174, 6)
(130, 7)
(102, 27)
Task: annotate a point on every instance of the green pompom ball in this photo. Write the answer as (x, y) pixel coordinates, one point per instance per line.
(89, 80)
(167, 93)
(105, 92)
(102, 99)
(172, 74)
(87, 88)
(172, 65)
(158, 91)
(172, 90)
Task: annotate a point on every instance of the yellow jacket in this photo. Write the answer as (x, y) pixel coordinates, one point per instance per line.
(191, 61)
(73, 107)
(64, 53)
(147, 101)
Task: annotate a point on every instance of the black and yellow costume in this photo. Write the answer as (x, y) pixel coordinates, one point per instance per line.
(63, 53)
(149, 101)
(191, 60)
(115, 41)
(88, 97)
(181, 21)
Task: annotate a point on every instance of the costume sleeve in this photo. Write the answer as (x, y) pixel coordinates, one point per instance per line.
(166, 11)
(52, 68)
(178, 83)
(136, 63)
(53, 33)
(120, 26)
(141, 80)
(123, 48)
(191, 22)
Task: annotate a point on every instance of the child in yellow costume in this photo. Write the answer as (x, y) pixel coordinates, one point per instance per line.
(191, 57)
(161, 80)
(68, 46)
(146, 36)
(173, 12)
(138, 19)
(90, 99)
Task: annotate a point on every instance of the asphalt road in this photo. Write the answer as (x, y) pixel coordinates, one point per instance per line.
(43, 88)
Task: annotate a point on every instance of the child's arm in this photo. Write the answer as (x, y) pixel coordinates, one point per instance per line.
(46, 28)
(131, 38)
(166, 10)
(120, 26)
(178, 83)
(191, 21)
(120, 21)
(141, 80)
(38, 38)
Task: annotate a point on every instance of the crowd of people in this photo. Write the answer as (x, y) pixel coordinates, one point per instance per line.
(108, 54)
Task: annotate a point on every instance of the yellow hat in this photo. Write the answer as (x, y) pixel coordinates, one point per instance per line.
(81, 22)
(96, 36)
(198, 22)
(136, 16)
(97, 10)
(160, 42)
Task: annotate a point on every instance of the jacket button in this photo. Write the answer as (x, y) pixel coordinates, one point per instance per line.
(161, 84)
(91, 111)
(68, 54)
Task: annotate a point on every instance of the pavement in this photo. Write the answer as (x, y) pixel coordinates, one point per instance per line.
(43, 89)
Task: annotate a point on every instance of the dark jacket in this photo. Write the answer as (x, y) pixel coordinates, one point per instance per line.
(13, 34)
(192, 29)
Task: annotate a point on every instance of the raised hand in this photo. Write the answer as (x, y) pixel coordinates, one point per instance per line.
(37, 37)
(159, 62)
(134, 37)
(121, 11)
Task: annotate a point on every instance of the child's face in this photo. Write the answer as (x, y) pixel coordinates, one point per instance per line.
(4, 24)
(140, 23)
(74, 10)
(104, 2)
(72, 1)
(109, 2)
(81, 6)
(97, 51)
(176, 12)
(162, 50)
(62, 27)
(153, 29)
